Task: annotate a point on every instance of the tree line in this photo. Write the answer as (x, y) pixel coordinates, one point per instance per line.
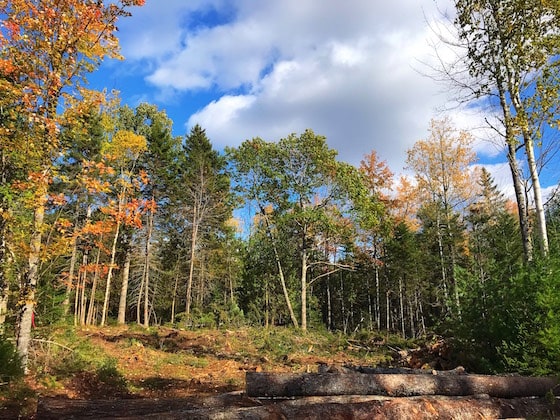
(106, 216)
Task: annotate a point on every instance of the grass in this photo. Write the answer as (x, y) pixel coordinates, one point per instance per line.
(170, 363)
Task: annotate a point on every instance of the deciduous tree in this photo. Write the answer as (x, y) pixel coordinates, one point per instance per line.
(160, 162)
(510, 57)
(441, 165)
(297, 184)
(51, 45)
(123, 151)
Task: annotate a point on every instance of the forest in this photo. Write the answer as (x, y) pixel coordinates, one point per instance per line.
(107, 217)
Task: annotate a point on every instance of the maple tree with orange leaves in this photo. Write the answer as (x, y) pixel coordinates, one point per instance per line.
(47, 48)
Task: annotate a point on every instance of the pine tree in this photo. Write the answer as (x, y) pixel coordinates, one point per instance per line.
(203, 200)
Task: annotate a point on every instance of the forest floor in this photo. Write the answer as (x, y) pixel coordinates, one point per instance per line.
(131, 372)
(165, 363)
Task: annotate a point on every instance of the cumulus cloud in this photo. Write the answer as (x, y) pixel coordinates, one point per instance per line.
(351, 71)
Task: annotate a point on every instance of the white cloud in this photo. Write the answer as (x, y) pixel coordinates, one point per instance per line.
(223, 111)
(156, 29)
(355, 71)
(347, 70)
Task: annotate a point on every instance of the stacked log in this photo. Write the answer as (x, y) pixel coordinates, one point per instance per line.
(262, 384)
(342, 393)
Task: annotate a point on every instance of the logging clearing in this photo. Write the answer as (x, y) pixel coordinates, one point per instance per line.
(258, 374)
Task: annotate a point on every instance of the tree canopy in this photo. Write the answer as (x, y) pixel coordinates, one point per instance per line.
(106, 214)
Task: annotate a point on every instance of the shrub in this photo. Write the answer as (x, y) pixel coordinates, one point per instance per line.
(10, 362)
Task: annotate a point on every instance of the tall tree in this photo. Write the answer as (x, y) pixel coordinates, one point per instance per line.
(52, 45)
(511, 49)
(379, 180)
(300, 183)
(406, 289)
(206, 202)
(123, 151)
(82, 135)
(490, 229)
(256, 181)
(159, 162)
(441, 165)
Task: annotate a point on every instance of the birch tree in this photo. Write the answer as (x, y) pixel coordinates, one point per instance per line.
(441, 165)
(510, 56)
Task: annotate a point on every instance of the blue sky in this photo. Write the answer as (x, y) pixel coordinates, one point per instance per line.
(353, 71)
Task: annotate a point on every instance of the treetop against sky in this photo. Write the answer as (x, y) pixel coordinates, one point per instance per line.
(354, 72)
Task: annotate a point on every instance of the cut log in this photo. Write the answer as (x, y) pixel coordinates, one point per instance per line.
(338, 407)
(262, 384)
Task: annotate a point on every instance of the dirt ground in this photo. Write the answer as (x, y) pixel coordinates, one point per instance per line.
(171, 364)
(177, 364)
(171, 374)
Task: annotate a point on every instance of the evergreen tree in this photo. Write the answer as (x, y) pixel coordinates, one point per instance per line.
(160, 166)
(492, 302)
(204, 202)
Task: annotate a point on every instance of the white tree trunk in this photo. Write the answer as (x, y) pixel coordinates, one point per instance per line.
(537, 192)
(304, 290)
(91, 306)
(511, 144)
(124, 290)
(110, 275)
(194, 237)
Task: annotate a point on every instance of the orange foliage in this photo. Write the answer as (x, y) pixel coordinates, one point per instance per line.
(58, 199)
(150, 206)
(99, 227)
(144, 177)
(511, 208)
(63, 225)
(48, 47)
(378, 176)
(406, 203)
(443, 164)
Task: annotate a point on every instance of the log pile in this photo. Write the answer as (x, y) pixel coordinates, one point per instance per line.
(262, 384)
(342, 407)
(343, 393)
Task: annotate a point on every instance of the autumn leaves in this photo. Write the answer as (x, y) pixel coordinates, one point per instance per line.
(47, 49)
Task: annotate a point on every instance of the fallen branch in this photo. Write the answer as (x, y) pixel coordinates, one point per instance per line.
(40, 340)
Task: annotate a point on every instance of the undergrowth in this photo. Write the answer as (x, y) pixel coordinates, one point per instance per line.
(123, 361)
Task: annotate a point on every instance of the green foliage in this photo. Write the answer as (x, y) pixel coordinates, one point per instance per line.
(282, 343)
(228, 315)
(510, 323)
(304, 199)
(10, 362)
(196, 319)
(65, 354)
(536, 349)
(107, 373)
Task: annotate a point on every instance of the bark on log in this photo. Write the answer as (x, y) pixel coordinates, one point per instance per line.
(262, 384)
(337, 407)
